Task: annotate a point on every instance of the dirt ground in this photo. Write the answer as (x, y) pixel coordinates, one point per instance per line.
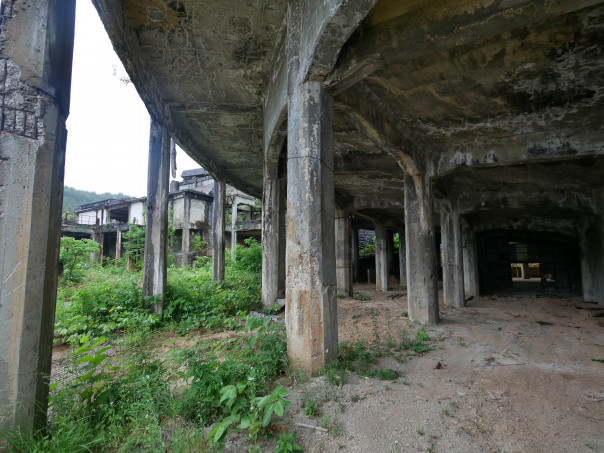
(516, 375)
(510, 373)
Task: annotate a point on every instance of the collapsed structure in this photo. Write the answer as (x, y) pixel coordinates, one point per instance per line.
(481, 121)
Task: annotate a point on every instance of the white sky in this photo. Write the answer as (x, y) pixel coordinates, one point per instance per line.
(108, 124)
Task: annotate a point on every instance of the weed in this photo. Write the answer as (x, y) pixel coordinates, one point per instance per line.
(286, 444)
(461, 342)
(362, 297)
(309, 405)
(355, 398)
(431, 448)
(420, 432)
(592, 445)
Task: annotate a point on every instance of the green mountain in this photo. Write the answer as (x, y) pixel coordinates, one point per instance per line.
(73, 198)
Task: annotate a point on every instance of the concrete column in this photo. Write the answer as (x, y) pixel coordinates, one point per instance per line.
(310, 309)
(36, 45)
(422, 292)
(118, 245)
(381, 258)
(233, 228)
(282, 238)
(453, 277)
(402, 258)
(156, 225)
(354, 246)
(525, 271)
(343, 252)
(592, 262)
(470, 262)
(218, 231)
(270, 237)
(186, 230)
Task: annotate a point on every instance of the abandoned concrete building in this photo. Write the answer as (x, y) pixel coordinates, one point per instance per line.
(475, 126)
(190, 208)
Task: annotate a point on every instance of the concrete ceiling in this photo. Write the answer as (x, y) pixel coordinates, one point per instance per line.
(483, 95)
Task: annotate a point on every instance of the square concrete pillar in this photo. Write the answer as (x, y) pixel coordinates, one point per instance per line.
(422, 290)
(186, 230)
(592, 261)
(402, 258)
(470, 261)
(354, 245)
(156, 223)
(270, 236)
(118, 245)
(36, 46)
(343, 252)
(310, 310)
(234, 228)
(218, 231)
(453, 276)
(382, 263)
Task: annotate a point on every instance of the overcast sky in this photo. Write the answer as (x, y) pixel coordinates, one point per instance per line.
(108, 124)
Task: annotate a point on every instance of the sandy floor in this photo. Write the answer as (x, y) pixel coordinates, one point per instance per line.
(516, 375)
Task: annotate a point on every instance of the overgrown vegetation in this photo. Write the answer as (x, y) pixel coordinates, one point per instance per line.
(119, 392)
(181, 381)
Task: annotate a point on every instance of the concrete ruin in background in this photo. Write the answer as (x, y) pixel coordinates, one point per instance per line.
(190, 207)
(475, 125)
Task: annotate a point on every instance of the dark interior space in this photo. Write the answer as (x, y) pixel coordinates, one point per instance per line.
(109, 239)
(119, 214)
(553, 259)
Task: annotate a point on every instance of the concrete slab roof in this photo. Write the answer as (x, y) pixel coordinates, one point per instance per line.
(466, 85)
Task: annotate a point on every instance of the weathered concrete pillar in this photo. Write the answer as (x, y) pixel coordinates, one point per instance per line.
(270, 237)
(453, 277)
(354, 246)
(118, 245)
(525, 271)
(218, 231)
(382, 264)
(36, 45)
(343, 252)
(402, 258)
(186, 230)
(156, 223)
(470, 262)
(422, 293)
(310, 309)
(234, 228)
(282, 239)
(592, 261)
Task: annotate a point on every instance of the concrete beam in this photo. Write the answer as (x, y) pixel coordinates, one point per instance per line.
(382, 264)
(156, 225)
(343, 252)
(310, 310)
(218, 231)
(36, 45)
(422, 293)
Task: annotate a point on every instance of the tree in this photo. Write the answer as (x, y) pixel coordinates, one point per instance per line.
(134, 245)
(76, 255)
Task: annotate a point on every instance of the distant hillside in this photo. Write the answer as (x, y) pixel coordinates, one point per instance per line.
(73, 198)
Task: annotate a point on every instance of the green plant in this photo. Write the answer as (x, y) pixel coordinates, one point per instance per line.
(362, 297)
(592, 445)
(133, 242)
(369, 248)
(286, 444)
(385, 374)
(76, 255)
(310, 405)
